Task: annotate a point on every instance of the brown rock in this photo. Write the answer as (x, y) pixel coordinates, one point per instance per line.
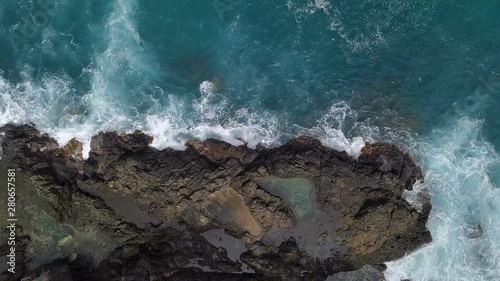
(228, 206)
(358, 218)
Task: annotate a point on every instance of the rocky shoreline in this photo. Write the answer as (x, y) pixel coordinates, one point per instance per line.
(300, 211)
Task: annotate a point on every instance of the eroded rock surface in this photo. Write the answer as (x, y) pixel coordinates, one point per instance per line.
(303, 211)
(228, 206)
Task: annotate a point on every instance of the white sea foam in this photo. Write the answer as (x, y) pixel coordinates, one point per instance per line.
(51, 103)
(456, 160)
(171, 129)
(52, 106)
(116, 96)
(331, 126)
(464, 201)
(109, 105)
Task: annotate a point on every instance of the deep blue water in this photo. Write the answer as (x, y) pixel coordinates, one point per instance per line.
(422, 74)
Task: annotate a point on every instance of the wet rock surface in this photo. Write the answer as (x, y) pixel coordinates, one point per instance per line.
(131, 212)
(367, 273)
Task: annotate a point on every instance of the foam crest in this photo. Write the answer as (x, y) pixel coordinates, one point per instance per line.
(123, 95)
(332, 125)
(212, 106)
(55, 109)
(51, 103)
(171, 128)
(215, 119)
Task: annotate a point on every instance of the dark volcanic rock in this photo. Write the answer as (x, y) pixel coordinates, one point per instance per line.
(367, 273)
(131, 212)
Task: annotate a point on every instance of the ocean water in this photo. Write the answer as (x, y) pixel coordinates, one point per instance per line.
(423, 74)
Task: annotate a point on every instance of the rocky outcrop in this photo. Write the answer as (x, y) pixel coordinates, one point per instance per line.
(301, 211)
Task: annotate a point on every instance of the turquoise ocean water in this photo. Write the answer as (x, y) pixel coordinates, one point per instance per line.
(421, 74)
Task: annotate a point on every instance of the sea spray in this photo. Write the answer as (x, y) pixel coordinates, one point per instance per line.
(456, 164)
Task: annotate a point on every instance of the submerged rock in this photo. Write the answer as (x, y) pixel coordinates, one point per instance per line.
(301, 211)
(474, 231)
(66, 241)
(52, 240)
(298, 193)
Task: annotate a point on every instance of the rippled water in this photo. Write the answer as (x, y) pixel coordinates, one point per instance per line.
(422, 74)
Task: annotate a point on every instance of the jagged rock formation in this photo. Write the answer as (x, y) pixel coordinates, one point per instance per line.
(131, 212)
